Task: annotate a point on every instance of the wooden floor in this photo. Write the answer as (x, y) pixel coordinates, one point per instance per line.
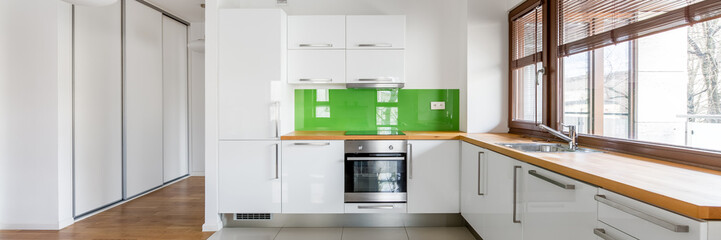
(174, 212)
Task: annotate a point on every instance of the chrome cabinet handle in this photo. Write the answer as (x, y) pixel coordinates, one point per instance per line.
(375, 45)
(277, 160)
(660, 222)
(554, 182)
(600, 232)
(376, 207)
(315, 45)
(311, 144)
(410, 161)
(480, 154)
(515, 182)
(381, 79)
(315, 79)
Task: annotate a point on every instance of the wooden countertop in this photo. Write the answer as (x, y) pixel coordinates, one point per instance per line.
(687, 190)
(340, 135)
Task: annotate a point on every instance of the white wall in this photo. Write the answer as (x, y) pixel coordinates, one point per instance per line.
(212, 219)
(197, 100)
(486, 92)
(35, 189)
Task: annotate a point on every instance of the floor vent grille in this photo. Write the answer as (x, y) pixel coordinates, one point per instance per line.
(252, 216)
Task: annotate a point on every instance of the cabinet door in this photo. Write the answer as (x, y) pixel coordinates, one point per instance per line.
(375, 32)
(98, 127)
(557, 207)
(316, 32)
(316, 66)
(175, 99)
(375, 66)
(249, 177)
(644, 221)
(143, 98)
(250, 70)
(313, 176)
(490, 209)
(433, 181)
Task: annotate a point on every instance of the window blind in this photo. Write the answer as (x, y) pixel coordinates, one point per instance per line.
(590, 24)
(526, 39)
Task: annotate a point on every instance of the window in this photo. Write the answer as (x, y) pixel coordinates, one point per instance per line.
(526, 64)
(639, 76)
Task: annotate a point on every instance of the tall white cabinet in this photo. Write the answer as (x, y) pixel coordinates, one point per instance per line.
(251, 67)
(97, 107)
(175, 99)
(143, 98)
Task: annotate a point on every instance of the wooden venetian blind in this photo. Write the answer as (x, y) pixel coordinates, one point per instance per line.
(589, 24)
(526, 37)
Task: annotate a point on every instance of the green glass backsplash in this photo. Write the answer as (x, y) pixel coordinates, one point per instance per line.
(375, 109)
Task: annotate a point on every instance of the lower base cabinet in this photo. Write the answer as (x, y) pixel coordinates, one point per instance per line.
(313, 177)
(433, 181)
(557, 207)
(645, 222)
(249, 177)
(490, 193)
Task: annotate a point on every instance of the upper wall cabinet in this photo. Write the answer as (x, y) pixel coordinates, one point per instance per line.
(316, 32)
(376, 32)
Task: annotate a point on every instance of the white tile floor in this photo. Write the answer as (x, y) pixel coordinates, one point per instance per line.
(409, 233)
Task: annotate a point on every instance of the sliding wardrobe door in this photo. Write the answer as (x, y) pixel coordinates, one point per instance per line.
(175, 99)
(97, 107)
(143, 98)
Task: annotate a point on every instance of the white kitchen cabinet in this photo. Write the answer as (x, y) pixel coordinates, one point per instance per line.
(251, 70)
(143, 98)
(249, 177)
(175, 99)
(375, 66)
(557, 207)
(316, 66)
(433, 179)
(645, 222)
(313, 176)
(490, 193)
(97, 107)
(316, 32)
(376, 32)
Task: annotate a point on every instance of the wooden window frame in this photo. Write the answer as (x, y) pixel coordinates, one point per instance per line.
(553, 101)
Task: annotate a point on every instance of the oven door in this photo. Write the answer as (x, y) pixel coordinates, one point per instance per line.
(375, 178)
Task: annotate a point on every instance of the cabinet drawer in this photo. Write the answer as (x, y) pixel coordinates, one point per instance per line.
(605, 232)
(316, 66)
(375, 66)
(375, 208)
(376, 32)
(316, 32)
(644, 221)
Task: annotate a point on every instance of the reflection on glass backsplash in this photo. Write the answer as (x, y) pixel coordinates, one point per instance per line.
(375, 109)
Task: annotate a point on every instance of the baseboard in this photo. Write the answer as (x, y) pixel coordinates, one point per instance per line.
(29, 226)
(213, 227)
(197, 173)
(64, 223)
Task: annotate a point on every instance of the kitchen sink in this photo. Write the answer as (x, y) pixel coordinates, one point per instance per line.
(546, 147)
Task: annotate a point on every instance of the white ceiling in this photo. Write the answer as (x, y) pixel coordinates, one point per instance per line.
(188, 10)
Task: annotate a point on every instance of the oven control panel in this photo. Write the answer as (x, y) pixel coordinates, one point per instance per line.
(376, 146)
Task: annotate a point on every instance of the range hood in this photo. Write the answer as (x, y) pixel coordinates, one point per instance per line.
(381, 85)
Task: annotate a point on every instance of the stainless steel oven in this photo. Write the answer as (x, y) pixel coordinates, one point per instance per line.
(375, 171)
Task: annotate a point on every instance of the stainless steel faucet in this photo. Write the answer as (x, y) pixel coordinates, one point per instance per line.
(572, 137)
